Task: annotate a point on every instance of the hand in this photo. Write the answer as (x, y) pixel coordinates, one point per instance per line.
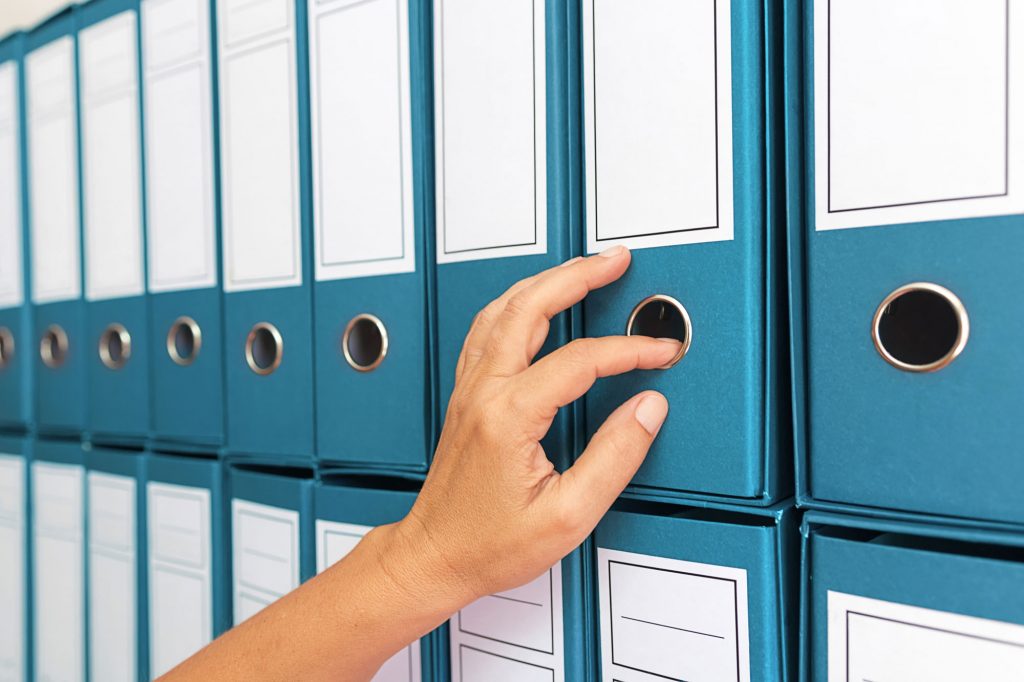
(493, 510)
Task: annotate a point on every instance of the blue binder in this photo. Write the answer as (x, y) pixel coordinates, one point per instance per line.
(680, 167)
(117, 591)
(16, 589)
(60, 345)
(705, 592)
(890, 597)
(344, 513)
(911, 363)
(15, 312)
(272, 542)
(504, 195)
(112, 220)
(182, 210)
(372, 232)
(59, 560)
(189, 573)
(264, 152)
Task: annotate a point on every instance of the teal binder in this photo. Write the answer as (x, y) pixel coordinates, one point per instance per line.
(15, 543)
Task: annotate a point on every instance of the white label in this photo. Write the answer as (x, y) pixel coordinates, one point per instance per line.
(658, 107)
(871, 639)
(513, 635)
(179, 149)
(180, 574)
(59, 571)
(12, 569)
(925, 125)
(362, 138)
(670, 619)
(113, 634)
(265, 555)
(490, 129)
(53, 172)
(259, 136)
(111, 159)
(333, 542)
(11, 284)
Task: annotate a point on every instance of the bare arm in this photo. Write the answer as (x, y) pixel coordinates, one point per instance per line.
(493, 513)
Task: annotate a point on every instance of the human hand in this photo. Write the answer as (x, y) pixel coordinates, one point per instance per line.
(493, 511)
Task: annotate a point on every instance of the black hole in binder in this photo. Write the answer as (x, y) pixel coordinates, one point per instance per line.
(265, 349)
(364, 343)
(661, 320)
(6, 347)
(115, 347)
(184, 342)
(53, 348)
(919, 328)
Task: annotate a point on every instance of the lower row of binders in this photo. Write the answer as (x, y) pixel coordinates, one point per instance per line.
(133, 561)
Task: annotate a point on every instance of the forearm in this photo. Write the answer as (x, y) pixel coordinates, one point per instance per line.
(344, 623)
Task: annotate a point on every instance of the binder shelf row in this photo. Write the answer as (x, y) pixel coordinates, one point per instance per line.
(120, 564)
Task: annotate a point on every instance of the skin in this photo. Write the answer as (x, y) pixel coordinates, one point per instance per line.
(491, 495)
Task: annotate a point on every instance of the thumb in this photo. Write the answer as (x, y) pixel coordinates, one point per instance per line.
(612, 457)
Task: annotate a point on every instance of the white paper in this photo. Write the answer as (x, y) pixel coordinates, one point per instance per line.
(513, 635)
(671, 619)
(58, 571)
(111, 158)
(362, 138)
(259, 137)
(180, 573)
(658, 122)
(916, 115)
(333, 541)
(490, 129)
(179, 149)
(12, 569)
(113, 633)
(265, 554)
(11, 285)
(871, 639)
(53, 172)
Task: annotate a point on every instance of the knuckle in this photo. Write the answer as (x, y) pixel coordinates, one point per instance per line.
(518, 304)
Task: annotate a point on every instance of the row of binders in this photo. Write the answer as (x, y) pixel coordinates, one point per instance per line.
(259, 229)
(135, 561)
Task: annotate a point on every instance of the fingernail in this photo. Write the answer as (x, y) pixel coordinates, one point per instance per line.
(675, 342)
(651, 412)
(571, 261)
(613, 251)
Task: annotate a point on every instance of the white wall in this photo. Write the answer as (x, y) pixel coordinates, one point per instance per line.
(15, 14)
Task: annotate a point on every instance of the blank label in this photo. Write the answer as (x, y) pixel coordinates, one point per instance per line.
(516, 635)
(334, 541)
(671, 619)
(259, 137)
(113, 633)
(179, 150)
(658, 122)
(924, 125)
(490, 127)
(111, 159)
(265, 551)
(871, 639)
(53, 172)
(12, 569)
(362, 138)
(59, 570)
(180, 574)
(11, 287)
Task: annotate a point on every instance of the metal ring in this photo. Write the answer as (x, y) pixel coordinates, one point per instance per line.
(185, 322)
(963, 327)
(665, 298)
(381, 329)
(53, 339)
(6, 347)
(115, 330)
(250, 341)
